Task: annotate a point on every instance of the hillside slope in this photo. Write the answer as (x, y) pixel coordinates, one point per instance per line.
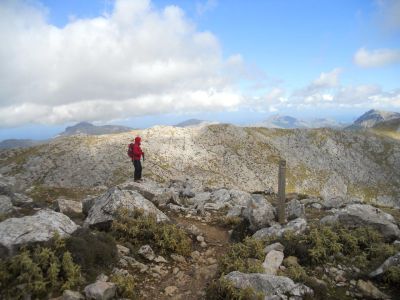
(322, 162)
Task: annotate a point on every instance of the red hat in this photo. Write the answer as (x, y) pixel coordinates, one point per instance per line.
(138, 139)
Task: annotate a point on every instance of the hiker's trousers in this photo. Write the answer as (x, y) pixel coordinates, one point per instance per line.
(138, 169)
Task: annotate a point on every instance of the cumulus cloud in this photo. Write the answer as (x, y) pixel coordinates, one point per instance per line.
(327, 80)
(376, 58)
(134, 61)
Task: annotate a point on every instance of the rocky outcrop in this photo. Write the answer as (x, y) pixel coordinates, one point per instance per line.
(37, 228)
(270, 285)
(321, 161)
(370, 291)
(259, 212)
(355, 215)
(272, 262)
(295, 209)
(296, 226)
(105, 207)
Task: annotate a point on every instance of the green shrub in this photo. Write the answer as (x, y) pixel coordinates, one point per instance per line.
(125, 286)
(136, 229)
(39, 271)
(93, 251)
(245, 257)
(392, 276)
(222, 289)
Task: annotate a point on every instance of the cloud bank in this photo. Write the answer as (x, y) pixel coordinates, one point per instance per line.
(134, 61)
(376, 58)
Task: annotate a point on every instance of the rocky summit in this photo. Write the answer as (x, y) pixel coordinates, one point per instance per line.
(203, 223)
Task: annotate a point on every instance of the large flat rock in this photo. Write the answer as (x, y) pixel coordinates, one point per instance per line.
(37, 228)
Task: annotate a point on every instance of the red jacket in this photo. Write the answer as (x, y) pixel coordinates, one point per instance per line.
(137, 151)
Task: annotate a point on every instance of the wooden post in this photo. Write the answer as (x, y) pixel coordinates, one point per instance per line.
(281, 191)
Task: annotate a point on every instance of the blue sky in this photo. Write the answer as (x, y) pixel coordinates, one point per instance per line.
(140, 63)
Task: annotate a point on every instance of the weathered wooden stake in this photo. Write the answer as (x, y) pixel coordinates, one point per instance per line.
(281, 191)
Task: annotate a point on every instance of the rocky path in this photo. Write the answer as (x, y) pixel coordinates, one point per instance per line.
(188, 278)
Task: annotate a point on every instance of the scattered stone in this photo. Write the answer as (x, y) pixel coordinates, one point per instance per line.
(102, 277)
(106, 206)
(370, 291)
(178, 258)
(37, 228)
(122, 250)
(270, 285)
(259, 212)
(147, 252)
(195, 255)
(66, 206)
(294, 209)
(160, 259)
(316, 205)
(275, 246)
(100, 290)
(200, 238)
(211, 261)
(203, 244)
(21, 200)
(72, 295)
(390, 262)
(272, 262)
(175, 271)
(297, 226)
(193, 230)
(170, 290)
(87, 204)
(356, 215)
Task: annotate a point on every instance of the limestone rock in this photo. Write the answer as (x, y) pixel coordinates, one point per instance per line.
(259, 212)
(355, 215)
(122, 250)
(335, 202)
(101, 290)
(275, 246)
(272, 262)
(370, 291)
(66, 206)
(72, 295)
(270, 285)
(150, 190)
(294, 209)
(147, 252)
(87, 204)
(296, 226)
(37, 228)
(106, 206)
(390, 262)
(21, 199)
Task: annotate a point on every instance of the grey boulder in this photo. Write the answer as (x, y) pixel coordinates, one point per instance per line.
(294, 209)
(5, 205)
(259, 212)
(66, 206)
(105, 207)
(393, 261)
(270, 285)
(37, 228)
(296, 226)
(355, 215)
(100, 290)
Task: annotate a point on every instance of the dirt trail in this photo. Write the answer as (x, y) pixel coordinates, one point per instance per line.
(188, 279)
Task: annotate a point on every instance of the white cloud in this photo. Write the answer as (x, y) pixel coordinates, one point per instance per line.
(376, 58)
(134, 61)
(327, 80)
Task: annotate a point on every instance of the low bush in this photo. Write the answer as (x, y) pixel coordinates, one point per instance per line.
(125, 286)
(134, 229)
(245, 257)
(39, 271)
(222, 289)
(95, 252)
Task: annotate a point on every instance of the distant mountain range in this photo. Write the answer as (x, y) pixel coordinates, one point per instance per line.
(16, 143)
(288, 122)
(372, 118)
(90, 129)
(194, 122)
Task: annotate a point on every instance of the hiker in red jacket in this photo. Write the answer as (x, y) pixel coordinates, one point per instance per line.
(135, 153)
